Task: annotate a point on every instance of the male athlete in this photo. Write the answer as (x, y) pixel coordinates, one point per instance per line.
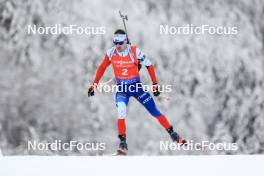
(126, 61)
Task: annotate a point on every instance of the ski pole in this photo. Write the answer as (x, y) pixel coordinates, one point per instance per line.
(107, 82)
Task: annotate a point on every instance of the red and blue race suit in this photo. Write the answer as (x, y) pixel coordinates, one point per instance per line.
(125, 66)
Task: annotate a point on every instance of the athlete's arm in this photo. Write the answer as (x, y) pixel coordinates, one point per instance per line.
(99, 73)
(146, 62)
(101, 69)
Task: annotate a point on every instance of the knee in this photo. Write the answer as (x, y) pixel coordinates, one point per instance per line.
(155, 113)
(121, 108)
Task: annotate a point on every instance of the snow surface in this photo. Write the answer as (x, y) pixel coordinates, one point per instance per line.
(217, 165)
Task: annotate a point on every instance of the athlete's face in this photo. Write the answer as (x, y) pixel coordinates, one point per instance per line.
(121, 47)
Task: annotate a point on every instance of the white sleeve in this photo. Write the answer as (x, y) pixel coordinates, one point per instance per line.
(142, 58)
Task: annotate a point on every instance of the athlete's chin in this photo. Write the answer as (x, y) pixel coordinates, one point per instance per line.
(120, 49)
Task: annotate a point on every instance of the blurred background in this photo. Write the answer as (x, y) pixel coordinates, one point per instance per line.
(217, 79)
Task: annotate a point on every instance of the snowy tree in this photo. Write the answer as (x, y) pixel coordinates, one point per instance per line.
(217, 79)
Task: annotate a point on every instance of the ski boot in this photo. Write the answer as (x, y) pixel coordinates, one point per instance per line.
(122, 149)
(175, 137)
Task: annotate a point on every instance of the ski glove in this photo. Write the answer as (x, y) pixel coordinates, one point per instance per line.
(91, 91)
(155, 89)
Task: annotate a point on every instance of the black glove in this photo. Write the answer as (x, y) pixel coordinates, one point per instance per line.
(155, 89)
(90, 92)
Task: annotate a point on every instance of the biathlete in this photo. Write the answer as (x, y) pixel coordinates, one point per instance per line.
(126, 60)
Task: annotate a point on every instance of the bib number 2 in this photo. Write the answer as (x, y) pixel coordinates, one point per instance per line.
(124, 72)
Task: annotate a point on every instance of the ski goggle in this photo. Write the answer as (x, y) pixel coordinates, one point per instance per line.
(119, 39)
(119, 43)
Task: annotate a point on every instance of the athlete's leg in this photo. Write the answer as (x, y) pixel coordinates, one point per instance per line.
(122, 99)
(148, 102)
(121, 104)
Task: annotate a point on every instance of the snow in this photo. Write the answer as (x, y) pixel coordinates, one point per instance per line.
(218, 165)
